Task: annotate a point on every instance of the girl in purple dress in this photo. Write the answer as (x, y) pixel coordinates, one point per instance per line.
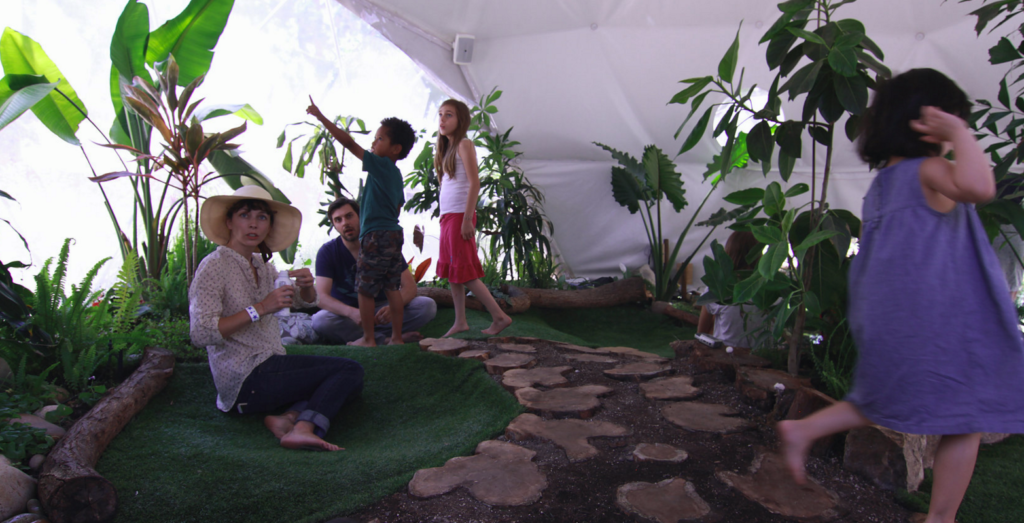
(939, 349)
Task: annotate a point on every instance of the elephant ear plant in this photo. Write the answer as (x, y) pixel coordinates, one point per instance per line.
(832, 64)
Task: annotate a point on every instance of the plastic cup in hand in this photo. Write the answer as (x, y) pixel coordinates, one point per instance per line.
(281, 281)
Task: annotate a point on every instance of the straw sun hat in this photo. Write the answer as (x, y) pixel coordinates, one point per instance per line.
(287, 219)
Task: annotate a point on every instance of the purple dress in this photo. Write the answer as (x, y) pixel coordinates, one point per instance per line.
(940, 351)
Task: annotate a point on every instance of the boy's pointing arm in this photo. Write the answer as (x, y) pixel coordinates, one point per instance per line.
(338, 133)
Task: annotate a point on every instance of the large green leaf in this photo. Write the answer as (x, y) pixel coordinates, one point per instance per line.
(698, 85)
(626, 189)
(774, 200)
(128, 57)
(773, 259)
(751, 196)
(760, 143)
(697, 132)
(18, 93)
(190, 37)
(852, 92)
(628, 162)
(1003, 52)
(663, 178)
(727, 67)
(243, 111)
(20, 54)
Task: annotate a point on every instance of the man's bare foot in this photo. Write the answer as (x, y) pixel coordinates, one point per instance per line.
(498, 325)
(794, 449)
(306, 441)
(411, 337)
(280, 425)
(363, 342)
(457, 328)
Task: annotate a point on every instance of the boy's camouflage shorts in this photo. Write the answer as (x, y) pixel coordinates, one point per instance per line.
(380, 263)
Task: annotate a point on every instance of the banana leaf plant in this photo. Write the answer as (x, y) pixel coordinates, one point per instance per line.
(832, 64)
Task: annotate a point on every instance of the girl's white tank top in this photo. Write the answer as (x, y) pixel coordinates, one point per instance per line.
(454, 191)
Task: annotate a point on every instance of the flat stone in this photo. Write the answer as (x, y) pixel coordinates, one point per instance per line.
(444, 346)
(658, 452)
(577, 401)
(570, 434)
(476, 354)
(501, 474)
(704, 417)
(675, 388)
(36, 461)
(633, 353)
(52, 430)
(668, 501)
(16, 488)
(638, 371)
(544, 376)
(579, 348)
(758, 387)
(506, 362)
(591, 358)
(517, 347)
(514, 339)
(770, 485)
(707, 359)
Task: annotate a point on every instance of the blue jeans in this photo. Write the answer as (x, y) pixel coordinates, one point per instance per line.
(316, 387)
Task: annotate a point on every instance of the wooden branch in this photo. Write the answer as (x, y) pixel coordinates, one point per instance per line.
(629, 290)
(517, 302)
(661, 307)
(69, 488)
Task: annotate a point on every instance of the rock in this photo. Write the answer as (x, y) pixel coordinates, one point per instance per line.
(759, 387)
(34, 506)
(45, 410)
(5, 370)
(638, 371)
(4, 462)
(517, 347)
(514, 339)
(676, 388)
(499, 474)
(704, 417)
(476, 354)
(544, 376)
(570, 434)
(991, 438)
(576, 401)
(770, 485)
(630, 352)
(506, 362)
(892, 460)
(591, 358)
(52, 430)
(707, 359)
(36, 461)
(16, 488)
(658, 452)
(28, 517)
(579, 348)
(444, 346)
(668, 501)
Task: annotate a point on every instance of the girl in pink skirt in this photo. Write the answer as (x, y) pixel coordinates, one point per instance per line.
(455, 164)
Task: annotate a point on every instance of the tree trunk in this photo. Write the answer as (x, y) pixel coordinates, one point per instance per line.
(518, 302)
(661, 307)
(629, 290)
(69, 489)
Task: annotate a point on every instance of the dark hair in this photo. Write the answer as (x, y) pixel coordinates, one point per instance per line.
(254, 205)
(399, 132)
(446, 149)
(338, 204)
(885, 128)
(738, 248)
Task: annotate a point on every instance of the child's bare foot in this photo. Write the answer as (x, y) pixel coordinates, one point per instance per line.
(498, 325)
(407, 337)
(280, 425)
(457, 328)
(794, 449)
(364, 342)
(301, 440)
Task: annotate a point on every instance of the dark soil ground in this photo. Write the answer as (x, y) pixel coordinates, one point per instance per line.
(586, 491)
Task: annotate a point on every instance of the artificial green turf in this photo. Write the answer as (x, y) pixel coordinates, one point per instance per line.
(996, 492)
(183, 460)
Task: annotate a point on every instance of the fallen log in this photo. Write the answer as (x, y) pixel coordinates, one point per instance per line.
(661, 307)
(70, 490)
(629, 290)
(516, 303)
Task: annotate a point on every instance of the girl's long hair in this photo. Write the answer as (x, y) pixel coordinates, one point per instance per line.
(446, 150)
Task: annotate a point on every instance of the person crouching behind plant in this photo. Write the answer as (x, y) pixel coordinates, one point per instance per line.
(734, 324)
(380, 238)
(232, 302)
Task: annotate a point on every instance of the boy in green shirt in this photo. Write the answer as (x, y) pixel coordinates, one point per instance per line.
(380, 262)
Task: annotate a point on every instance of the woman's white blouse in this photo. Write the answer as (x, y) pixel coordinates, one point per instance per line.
(223, 285)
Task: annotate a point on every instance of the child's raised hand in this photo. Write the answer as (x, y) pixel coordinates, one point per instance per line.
(313, 110)
(937, 125)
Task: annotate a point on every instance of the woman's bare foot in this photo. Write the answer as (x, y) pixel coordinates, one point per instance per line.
(363, 342)
(794, 449)
(302, 437)
(457, 328)
(498, 325)
(281, 425)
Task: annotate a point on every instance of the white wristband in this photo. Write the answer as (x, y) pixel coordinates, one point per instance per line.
(253, 315)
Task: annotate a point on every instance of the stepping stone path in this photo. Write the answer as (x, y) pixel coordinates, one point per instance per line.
(499, 474)
(579, 348)
(591, 358)
(630, 352)
(704, 417)
(659, 452)
(638, 371)
(444, 346)
(570, 434)
(544, 376)
(675, 388)
(517, 347)
(668, 501)
(770, 485)
(506, 362)
(476, 354)
(581, 402)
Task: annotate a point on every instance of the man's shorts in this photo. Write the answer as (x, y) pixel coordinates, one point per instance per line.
(380, 263)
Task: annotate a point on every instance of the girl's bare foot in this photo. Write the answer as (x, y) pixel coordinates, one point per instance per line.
(457, 328)
(794, 449)
(302, 437)
(281, 425)
(498, 325)
(363, 342)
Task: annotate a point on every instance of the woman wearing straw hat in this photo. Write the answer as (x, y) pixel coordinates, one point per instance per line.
(232, 302)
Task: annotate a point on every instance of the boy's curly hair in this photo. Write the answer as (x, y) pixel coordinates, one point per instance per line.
(399, 132)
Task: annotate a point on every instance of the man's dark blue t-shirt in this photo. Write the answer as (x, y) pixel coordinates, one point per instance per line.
(336, 262)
